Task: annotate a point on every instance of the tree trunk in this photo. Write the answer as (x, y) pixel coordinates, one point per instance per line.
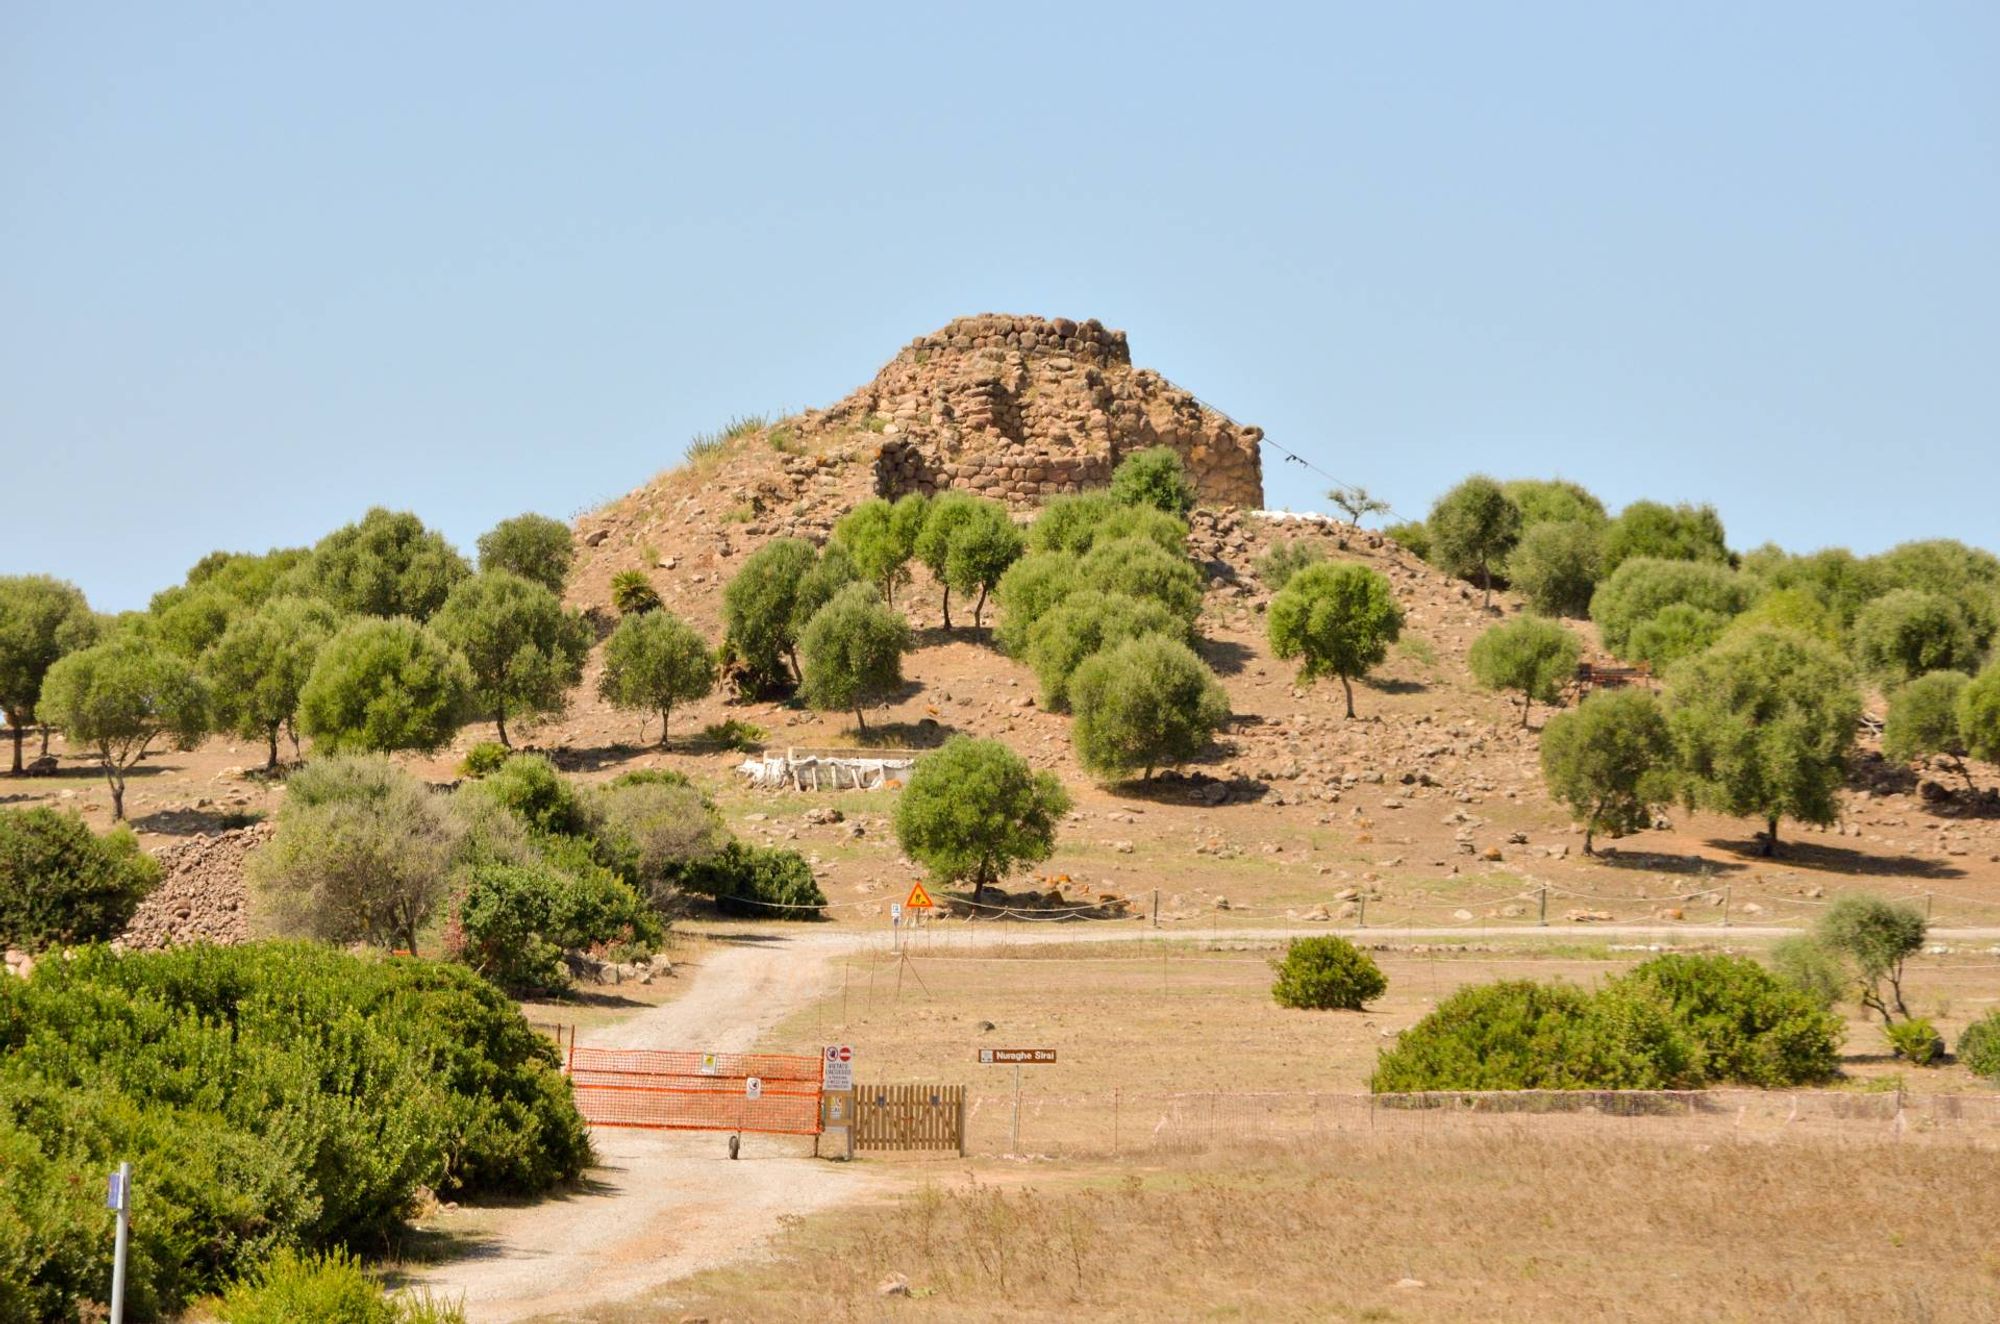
(947, 606)
(859, 720)
(45, 739)
(1485, 586)
(18, 735)
(663, 727)
(271, 763)
(1770, 837)
(1956, 762)
(1527, 702)
(500, 724)
(292, 733)
(980, 610)
(117, 781)
(1348, 686)
(1589, 838)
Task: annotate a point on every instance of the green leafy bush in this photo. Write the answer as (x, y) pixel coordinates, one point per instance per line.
(62, 883)
(484, 759)
(1154, 477)
(1326, 973)
(1521, 1035)
(517, 922)
(1085, 623)
(735, 733)
(1029, 590)
(1643, 587)
(325, 1289)
(1916, 1041)
(268, 1096)
(1979, 1047)
(756, 881)
(1753, 1028)
(633, 594)
(1413, 536)
(1286, 558)
(1148, 703)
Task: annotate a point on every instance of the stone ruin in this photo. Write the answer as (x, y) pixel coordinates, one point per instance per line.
(1023, 408)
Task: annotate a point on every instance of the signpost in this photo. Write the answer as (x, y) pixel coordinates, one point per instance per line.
(836, 1096)
(119, 1198)
(1017, 1058)
(918, 899)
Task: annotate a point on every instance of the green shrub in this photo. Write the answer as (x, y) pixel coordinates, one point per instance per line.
(734, 733)
(1667, 533)
(756, 881)
(1556, 567)
(1916, 1041)
(1641, 588)
(1806, 964)
(1154, 477)
(1752, 1027)
(268, 1095)
(484, 759)
(1076, 523)
(1520, 1035)
(1326, 973)
(62, 883)
(1286, 558)
(1085, 623)
(1029, 590)
(651, 827)
(1148, 703)
(529, 787)
(1979, 1047)
(518, 922)
(633, 594)
(1413, 536)
(324, 1289)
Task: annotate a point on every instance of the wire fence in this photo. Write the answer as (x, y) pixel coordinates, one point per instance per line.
(1131, 1122)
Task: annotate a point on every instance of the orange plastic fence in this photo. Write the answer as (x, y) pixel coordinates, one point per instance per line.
(679, 1091)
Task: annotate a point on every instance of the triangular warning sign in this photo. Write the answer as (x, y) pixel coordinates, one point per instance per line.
(919, 899)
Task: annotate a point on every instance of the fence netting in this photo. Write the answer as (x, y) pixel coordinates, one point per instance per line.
(691, 1091)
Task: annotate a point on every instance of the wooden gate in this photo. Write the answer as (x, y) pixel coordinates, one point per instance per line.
(910, 1117)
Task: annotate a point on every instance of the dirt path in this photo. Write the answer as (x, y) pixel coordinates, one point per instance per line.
(660, 1205)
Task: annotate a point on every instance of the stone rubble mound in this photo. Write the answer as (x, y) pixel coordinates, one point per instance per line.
(203, 896)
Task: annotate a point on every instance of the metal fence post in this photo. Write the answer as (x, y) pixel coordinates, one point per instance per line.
(123, 1204)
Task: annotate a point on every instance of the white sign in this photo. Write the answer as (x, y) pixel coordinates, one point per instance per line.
(709, 1066)
(895, 912)
(753, 1087)
(838, 1073)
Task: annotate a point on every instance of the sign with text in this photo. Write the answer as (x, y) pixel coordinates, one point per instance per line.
(838, 1071)
(1032, 1057)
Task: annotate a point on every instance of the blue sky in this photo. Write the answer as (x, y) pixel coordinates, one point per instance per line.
(263, 266)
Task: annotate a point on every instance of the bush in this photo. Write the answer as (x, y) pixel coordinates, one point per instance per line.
(1413, 536)
(384, 685)
(1029, 590)
(1751, 1026)
(1639, 589)
(546, 802)
(1923, 720)
(756, 881)
(1140, 568)
(1807, 965)
(974, 810)
(269, 1096)
(1521, 1035)
(1532, 656)
(518, 922)
(633, 594)
(1326, 974)
(735, 733)
(1905, 633)
(1916, 1041)
(60, 883)
(1146, 704)
(363, 853)
(1556, 567)
(1555, 501)
(1286, 558)
(534, 547)
(1154, 477)
(1667, 533)
(1979, 1047)
(1085, 623)
(325, 1289)
(1678, 630)
(654, 827)
(484, 759)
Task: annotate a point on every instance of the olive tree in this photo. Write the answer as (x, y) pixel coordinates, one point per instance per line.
(1923, 721)
(535, 547)
(1762, 724)
(1907, 632)
(949, 511)
(981, 550)
(1667, 533)
(1642, 587)
(524, 650)
(1356, 503)
(1610, 761)
(1555, 566)
(653, 662)
(1555, 501)
(852, 653)
(1979, 715)
(1141, 568)
(387, 564)
(40, 620)
(192, 621)
(1677, 630)
(881, 538)
(759, 629)
(258, 669)
(1084, 623)
(384, 685)
(831, 572)
(1472, 528)
(974, 810)
(1529, 655)
(117, 699)
(1077, 522)
(1154, 477)
(1029, 590)
(1339, 620)
(363, 852)
(1146, 704)
(1875, 937)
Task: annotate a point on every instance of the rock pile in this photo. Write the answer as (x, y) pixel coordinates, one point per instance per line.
(203, 896)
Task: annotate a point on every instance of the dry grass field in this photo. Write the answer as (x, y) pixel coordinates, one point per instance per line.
(1384, 1228)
